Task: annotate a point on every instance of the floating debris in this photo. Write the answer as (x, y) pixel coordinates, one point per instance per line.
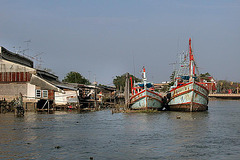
(58, 147)
(178, 117)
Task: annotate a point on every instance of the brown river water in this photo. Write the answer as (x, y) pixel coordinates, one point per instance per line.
(214, 134)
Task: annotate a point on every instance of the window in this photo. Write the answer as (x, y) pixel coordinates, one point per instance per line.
(44, 93)
(38, 93)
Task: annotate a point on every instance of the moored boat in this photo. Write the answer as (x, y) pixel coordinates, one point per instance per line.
(187, 94)
(144, 96)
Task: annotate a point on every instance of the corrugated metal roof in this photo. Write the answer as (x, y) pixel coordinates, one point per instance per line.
(13, 57)
(62, 86)
(38, 81)
(47, 75)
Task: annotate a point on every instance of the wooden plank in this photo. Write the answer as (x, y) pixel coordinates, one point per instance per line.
(224, 95)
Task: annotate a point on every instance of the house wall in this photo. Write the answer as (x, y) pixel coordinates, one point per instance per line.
(68, 97)
(12, 72)
(14, 79)
(31, 90)
(7, 66)
(9, 91)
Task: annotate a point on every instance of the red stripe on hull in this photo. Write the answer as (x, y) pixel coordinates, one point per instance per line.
(154, 98)
(197, 92)
(137, 94)
(143, 92)
(202, 86)
(154, 93)
(138, 99)
(185, 92)
(148, 97)
(188, 84)
(181, 86)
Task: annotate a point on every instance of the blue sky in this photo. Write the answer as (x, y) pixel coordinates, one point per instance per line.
(106, 38)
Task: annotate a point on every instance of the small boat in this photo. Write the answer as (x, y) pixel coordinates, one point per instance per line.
(187, 93)
(144, 96)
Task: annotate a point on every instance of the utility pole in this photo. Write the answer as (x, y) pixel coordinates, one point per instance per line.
(237, 88)
(95, 92)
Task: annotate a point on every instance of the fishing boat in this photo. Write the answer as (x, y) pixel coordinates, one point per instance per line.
(144, 96)
(187, 93)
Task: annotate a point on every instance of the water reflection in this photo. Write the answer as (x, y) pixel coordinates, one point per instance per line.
(186, 130)
(102, 135)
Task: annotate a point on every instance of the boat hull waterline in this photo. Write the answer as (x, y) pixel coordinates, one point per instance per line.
(189, 97)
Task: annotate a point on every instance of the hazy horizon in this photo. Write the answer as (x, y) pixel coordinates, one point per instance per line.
(102, 39)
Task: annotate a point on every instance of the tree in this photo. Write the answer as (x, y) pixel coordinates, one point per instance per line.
(205, 76)
(119, 81)
(75, 77)
(223, 86)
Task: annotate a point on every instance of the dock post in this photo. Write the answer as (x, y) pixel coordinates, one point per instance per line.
(19, 109)
(114, 98)
(95, 94)
(48, 108)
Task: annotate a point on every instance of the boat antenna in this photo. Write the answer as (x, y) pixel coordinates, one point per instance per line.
(174, 68)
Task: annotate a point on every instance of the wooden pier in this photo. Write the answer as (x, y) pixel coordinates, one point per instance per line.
(224, 96)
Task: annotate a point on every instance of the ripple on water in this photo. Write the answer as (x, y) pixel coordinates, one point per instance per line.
(102, 135)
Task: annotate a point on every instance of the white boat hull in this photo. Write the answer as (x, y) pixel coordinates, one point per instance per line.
(146, 99)
(189, 97)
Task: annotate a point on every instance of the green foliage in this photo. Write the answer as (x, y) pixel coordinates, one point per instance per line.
(170, 84)
(205, 75)
(223, 86)
(119, 81)
(75, 77)
(165, 88)
(102, 85)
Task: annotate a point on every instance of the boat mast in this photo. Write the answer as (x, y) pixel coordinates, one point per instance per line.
(144, 78)
(191, 61)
